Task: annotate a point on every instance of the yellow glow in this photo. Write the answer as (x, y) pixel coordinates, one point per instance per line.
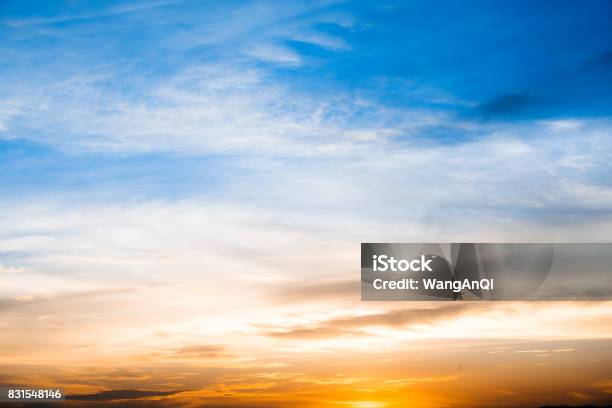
(366, 404)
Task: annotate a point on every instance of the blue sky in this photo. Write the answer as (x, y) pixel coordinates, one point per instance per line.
(476, 51)
(271, 103)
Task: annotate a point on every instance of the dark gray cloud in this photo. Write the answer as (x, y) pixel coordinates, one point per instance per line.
(507, 104)
(582, 89)
(114, 395)
(397, 318)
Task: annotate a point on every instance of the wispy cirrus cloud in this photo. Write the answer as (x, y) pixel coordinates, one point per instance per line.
(212, 108)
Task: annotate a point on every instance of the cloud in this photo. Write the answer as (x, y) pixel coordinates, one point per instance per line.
(455, 320)
(65, 18)
(508, 104)
(274, 53)
(119, 395)
(10, 270)
(600, 64)
(192, 352)
(8, 109)
(323, 40)
(213, 108)
(353, 325)
(201, 351)
(301, 291)
(585, 92)
(77, 106)
(227, 101)
(41, 299)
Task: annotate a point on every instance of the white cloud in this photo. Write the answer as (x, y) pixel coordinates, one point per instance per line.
(207, 109)
(274, 53)
(323, 40)
(118, 275)
(63, 18)
(9, 108)
(592, 196)
(10, 270)
(211, 107)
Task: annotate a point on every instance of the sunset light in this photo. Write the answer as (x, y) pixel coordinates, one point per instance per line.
(305, 204)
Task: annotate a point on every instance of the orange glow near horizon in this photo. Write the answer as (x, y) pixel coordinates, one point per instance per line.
(459, 360)
(183, 323)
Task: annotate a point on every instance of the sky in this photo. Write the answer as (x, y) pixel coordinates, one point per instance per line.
(184, 186)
